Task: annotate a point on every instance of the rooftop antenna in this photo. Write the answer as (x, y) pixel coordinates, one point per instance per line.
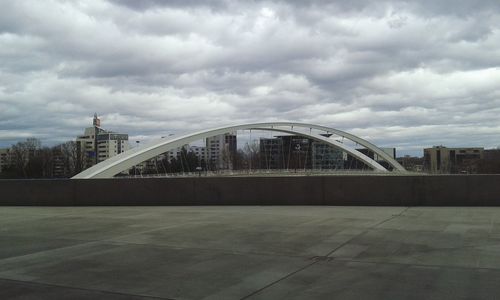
(96, 122)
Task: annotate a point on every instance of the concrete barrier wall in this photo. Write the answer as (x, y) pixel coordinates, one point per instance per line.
(443, 190)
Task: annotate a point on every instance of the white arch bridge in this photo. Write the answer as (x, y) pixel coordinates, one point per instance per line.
(132, 157)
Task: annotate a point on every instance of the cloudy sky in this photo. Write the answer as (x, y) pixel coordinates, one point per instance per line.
(409, 74)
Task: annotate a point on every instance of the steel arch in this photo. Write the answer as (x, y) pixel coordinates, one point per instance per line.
(132, 157)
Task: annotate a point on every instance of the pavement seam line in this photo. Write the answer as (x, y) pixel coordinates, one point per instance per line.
(278, 280)
(81, 243)
(331, 252)
(42, 252)
(390, 218)
(366, 230)
(82, 289)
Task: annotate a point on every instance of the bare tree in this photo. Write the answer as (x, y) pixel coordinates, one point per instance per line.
(19, 159)
(252, 155)
(22, 154)
(227, 158)
(73, 162)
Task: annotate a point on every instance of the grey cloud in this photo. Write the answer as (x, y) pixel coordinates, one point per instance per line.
(390, 70)
(460, 8)
(152, 4)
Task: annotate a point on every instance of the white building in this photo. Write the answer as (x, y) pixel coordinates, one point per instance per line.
(97, 144)
(221, 150)
(110, 144)
(200, 152)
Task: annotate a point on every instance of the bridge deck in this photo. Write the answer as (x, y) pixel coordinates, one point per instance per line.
(255, 252)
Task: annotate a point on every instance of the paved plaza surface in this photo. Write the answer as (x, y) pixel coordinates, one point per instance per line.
(242, 252)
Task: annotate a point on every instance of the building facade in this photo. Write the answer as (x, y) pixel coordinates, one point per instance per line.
(221, 151)
(443, 160)
(97, 144)
(326, 157)
(271, 153)
(110, 144)
(200, 152)
(297, 152)
(285, 152)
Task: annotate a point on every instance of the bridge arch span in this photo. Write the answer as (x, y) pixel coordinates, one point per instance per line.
(132, 157)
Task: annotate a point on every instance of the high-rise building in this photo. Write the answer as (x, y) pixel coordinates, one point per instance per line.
(97, 144)
(297, 152)
(326, 157)
(440, 159)
(271, 153)
(110, 144)
(221, 151)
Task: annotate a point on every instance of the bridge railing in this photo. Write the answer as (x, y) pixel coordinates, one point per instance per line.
(260, 172)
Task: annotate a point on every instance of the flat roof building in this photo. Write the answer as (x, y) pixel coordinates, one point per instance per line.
(443, 160)
(298, 152)
(221, 151)
(97, 144)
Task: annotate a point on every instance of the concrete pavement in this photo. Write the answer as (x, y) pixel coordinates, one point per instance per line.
(249, 252)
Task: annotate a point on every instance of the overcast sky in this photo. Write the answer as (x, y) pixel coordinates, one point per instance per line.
(409, 74)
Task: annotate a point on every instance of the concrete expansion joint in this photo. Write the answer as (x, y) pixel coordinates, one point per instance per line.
(35, 283)
(390, 218)
(277, 281)
(321, 258)
(366, 230)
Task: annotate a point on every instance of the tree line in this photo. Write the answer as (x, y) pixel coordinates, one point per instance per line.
(29, 159)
